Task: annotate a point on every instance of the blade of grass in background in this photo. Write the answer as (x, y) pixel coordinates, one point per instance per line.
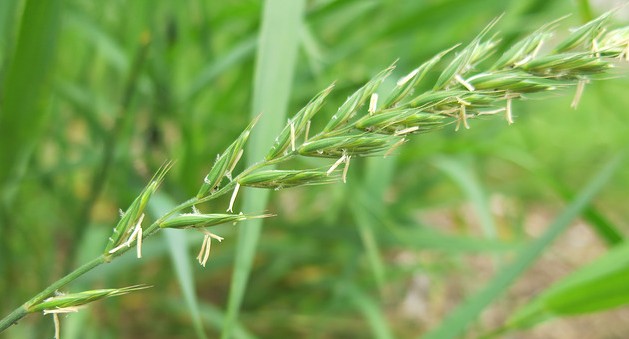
(179, 254)
(367, 230)
(368, 211)
(275, 63)
(597, 286)
(100, 38)
(25, 88)
(77, 325)
(209, 73)
(211, 315)
(470, 185)
(585, 10)
(23, 111)
(8, 17)
(458, 320)
(604, 227)
(111, 142)
(370, 310)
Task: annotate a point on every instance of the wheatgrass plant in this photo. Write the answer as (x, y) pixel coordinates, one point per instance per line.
(368, 123)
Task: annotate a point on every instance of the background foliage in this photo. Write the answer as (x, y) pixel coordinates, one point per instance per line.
(96, 95)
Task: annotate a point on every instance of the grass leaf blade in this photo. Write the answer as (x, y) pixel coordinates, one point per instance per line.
(276, 57)
(178, 250)
(462, 316)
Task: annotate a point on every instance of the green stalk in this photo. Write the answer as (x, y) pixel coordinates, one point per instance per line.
(277, 54)
(22, 311)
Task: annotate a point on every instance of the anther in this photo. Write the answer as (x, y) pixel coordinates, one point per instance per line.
(292, 136)
(373, 103)
(464, 82)
(336, 164)
(230, 209)
(408, 77)
(394, 147)
(578, 93)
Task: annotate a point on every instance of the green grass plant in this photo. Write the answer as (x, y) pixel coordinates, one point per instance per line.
(454, 90)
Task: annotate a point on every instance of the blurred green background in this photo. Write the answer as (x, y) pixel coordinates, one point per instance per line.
(96, 95)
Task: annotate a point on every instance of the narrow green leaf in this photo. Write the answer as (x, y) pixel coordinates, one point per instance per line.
(275, 63)
(240, 52)
(8, 19)
(367, 229)
(605, 229)
(371, 311)
(471, 186)
(104, 42)
(211, 315)
(597, 286)
(181, 261)
(456, 322)
(25, 88)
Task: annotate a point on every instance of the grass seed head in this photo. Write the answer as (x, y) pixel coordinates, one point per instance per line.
(194, 220)
(584, 35)
(225, 162)
(298, 124)
(69, 301)
(353, 103)
(135, 211)
(278, 179)
(362, 144)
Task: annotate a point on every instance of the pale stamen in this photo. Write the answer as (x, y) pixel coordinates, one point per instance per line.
(406, 130)
(394, 147)
(462, 115)
(233, 198)
(491, 112)
(204, 253)
(139, 245)
(508, 112)
(537, 49)
(595, 48)
(373, 103)
(69, 309)
(578, 93)
(335, 165)
(231, 168)
(408, 77)
(307, 131)
(55, 320)
(464, 82)
(346, 168)
(200, 256)
(523, 61)
(292, 136)
(136, 230)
